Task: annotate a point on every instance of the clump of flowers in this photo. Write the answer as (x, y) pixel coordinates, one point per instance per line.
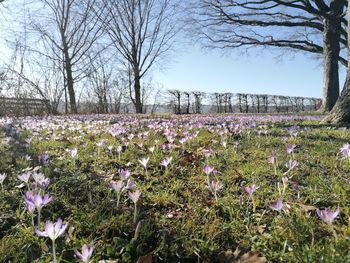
(36, 201)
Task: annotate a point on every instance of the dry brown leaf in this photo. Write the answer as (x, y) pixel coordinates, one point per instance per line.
(236, 257)
(145, 259)
(251, 257)
(261, 229)
(307, 208)
(228, 256)
(173, 214)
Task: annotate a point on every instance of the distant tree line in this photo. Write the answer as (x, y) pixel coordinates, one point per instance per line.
(186, 102)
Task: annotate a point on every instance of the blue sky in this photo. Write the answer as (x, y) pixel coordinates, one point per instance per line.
(211, 71)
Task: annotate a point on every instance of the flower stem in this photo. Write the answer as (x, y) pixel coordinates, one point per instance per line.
(216, 196)
(334, 233)
(32, 218)
(118, 200)
(54, 251)
(39, 217)
(135, 213)
(253, 203)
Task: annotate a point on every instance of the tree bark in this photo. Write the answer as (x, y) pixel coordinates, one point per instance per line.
(137, 90)
(340, 114)
(331, 51)
(69, 76)
(70, 87)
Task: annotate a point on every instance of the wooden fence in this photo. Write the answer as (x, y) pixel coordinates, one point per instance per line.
(23, 106)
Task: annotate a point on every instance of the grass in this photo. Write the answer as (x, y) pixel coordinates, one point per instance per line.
(179, 219)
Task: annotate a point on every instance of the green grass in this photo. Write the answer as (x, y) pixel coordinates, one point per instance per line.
(179, 219)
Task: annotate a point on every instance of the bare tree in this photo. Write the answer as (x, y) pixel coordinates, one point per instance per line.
(175, 100)
(31, 75)
(188, 101)
(68, 28)
(198, 98)
(142, 31)
(302, 25)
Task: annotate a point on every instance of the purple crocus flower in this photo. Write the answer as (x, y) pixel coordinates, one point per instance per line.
(73, 152)
(44, 158)
(86, 252)
(29, 201)
(296, 186)
(130, 185)
(290, 148)
(41, 181)
(24, 177)
(272, 159)
(36, 200)
(151, 149)
(291, 164)
(166, 161)
(144, 162)
(216, 186)
(208, 169)
(41, 201)
(250, 189)
(327, 215)
(124, 174)
(119, 149)
(134, 196)
(101, 143)
(2, 179)
(117, 186)
(277, 205)
(345, 150)
(52, 230)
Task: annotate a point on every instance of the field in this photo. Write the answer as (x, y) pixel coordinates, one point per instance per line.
(220, 188)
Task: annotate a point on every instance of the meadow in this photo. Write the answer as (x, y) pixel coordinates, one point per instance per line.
(196, 188)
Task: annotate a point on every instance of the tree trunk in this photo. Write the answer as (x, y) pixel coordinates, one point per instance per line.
(188, 103)
(70, 87)
(179, 103)
(331, 50)
(137, 90)
(341, 111)
(69, 78)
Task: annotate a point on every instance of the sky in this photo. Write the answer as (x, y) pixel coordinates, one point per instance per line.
(194, 69)
(261, 73)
